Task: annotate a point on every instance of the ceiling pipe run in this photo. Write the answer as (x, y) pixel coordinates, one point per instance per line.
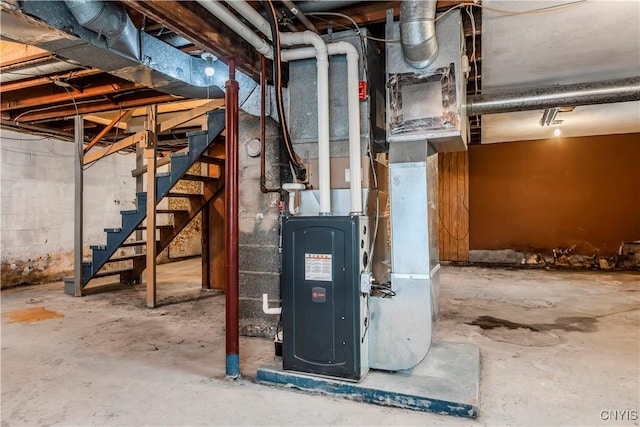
(418, 32)
(252, 15)
(229, 19)
(603, 92)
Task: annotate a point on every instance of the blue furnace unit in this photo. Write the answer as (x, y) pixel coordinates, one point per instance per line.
(324, 312)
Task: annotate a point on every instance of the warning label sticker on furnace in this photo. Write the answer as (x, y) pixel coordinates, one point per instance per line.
(317, 267)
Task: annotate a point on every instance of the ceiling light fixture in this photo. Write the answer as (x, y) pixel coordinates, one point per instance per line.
(209, 70)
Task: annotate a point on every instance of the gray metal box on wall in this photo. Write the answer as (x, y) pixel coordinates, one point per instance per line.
(302, 116)
(323, 310)
(428, 104)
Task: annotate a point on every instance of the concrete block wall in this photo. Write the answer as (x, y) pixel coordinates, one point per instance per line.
(37, 204)
(259, 231)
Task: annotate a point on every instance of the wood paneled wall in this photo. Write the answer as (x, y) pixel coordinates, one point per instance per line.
(453, 206)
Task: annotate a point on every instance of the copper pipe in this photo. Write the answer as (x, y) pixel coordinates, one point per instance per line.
(231, 225)
(263, 132)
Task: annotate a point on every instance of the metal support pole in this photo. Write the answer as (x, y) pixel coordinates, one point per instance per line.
(231, 230)
(78, 206)
(150, 155)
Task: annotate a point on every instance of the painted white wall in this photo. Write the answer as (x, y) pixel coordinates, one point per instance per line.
(37, 197)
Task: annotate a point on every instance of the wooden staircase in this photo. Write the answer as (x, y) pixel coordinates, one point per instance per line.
(118, 239)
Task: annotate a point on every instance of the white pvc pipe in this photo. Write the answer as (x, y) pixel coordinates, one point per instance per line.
(265, 306)
(245, 9)
(291, 188)
(322, 64)
(344, 48)
(223, 14)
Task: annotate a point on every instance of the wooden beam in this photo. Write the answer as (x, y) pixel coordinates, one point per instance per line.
(198, 25)
(372, 13)
(26, 84)
(107, 128)
(106, 121)
(150, 155)
(16, 53)
(113, 148)
(190, 115)
(69, 111)
(56, 94)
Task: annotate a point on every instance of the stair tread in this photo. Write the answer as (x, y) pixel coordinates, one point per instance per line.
(144, 227)
(125, 257)
(180, 194)
(135, 243)
(211, 160)
(112, 272)
(170, 211)
(189, 177)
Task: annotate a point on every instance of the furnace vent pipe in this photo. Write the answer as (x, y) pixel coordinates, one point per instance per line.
(228, 18)
(603, 92)
(245, 9)
(110, 20)
(418, 32)
(344, 48)
(322, 64)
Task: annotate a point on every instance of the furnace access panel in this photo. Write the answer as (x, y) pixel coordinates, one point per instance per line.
(322, 306)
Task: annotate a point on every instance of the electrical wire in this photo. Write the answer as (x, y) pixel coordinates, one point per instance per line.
(473, 43)
(512, 12)
(355, 25)
(294, 159)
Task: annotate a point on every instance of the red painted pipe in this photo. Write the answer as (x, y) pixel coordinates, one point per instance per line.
(231, 227)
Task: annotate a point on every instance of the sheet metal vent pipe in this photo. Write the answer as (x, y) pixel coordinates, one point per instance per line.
(110, 20)
(418, 32)
(591, 93)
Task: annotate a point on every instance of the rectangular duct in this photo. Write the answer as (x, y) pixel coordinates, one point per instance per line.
(428, 103)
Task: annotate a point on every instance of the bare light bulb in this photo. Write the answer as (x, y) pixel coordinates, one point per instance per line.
(556, 132)
(209, 58)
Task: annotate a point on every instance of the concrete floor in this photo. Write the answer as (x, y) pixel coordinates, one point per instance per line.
(557, 348)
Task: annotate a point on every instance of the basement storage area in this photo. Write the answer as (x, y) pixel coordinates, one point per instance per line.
(320, 212)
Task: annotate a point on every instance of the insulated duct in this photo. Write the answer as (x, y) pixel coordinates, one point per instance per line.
(418, 32)
(603, 92)
(37, 70)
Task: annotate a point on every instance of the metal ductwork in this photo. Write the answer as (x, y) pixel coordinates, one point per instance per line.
(418, 32)
(110, 20)
(52, 25)
(603, 92)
